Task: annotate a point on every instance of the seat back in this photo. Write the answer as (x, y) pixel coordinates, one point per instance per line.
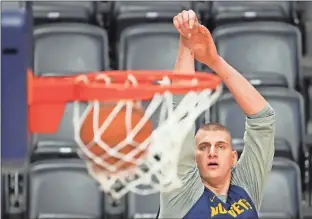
(128, 13)
(261, 48)
(63, 11)
(148, 47)
(227, 11)
(143, 206)
(67, 48)
(60, 188)
(282, 193)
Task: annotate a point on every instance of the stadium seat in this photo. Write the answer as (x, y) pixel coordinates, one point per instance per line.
(67, 48)
(229, 11)
(308, 40)
(51, 11)
(128, 13)
(267, 53)
(290, 129)
(282, 193)
(305, 10)
(143, 206)
(8, 5)
(62, 188)
(148, 47)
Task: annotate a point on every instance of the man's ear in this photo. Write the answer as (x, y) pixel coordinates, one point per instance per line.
(235, 157)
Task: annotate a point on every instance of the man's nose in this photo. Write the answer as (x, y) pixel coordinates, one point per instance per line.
(212, 152)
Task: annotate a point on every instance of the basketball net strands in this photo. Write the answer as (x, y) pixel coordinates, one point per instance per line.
(131, 132)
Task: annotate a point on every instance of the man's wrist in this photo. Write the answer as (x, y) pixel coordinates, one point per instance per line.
(184, 52)
(185, 59)
(215, 63)
(183, 46)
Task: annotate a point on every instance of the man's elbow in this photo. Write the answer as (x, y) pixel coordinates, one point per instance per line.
(271, 111)
(267, 111)
(264, 120)
(271, 115)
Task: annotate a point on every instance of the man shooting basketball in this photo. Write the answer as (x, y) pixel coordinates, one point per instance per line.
(215, 183)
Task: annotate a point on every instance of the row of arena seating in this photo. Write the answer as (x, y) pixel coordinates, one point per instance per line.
(77, 37)
(61, 188)
(118, 15)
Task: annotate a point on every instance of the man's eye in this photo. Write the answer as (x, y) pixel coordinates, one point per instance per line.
(203, 147)
(220, 146)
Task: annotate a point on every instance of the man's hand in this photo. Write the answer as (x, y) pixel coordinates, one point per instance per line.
(196, 37)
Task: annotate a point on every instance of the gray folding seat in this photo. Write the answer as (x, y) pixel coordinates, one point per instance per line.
(282, 192)
(233, 11)
(65, 48)
(148, 47)
(9, 5)
(267, 53)
(142, 206)
(305, 8)
(62, 188)
(290, 129)
(128, 13)
(60, 11)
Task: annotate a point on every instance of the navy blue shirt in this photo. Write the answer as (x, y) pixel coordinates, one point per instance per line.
(237, 205)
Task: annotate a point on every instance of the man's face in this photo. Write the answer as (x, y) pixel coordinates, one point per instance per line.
(214, 155)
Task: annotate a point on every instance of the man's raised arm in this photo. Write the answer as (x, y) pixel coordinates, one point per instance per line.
(255, 163)
(184, 64)
(256, 160)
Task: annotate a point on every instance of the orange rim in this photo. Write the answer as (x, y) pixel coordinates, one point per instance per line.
(47, 96)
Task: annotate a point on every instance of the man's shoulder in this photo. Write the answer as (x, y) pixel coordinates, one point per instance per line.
(176, 203)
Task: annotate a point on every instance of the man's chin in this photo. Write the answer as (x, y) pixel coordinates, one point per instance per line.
(212, 177)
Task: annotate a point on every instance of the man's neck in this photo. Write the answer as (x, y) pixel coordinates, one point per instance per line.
(219, 188)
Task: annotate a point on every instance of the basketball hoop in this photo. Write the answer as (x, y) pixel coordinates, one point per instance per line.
(139, 104)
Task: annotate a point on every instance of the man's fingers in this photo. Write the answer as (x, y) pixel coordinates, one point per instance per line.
(177, 24)
(180, 22)
(192, 19)
(185, 16)
(204, 30)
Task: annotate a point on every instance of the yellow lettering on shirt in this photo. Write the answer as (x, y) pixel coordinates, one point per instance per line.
(236, 208)
(214, 211)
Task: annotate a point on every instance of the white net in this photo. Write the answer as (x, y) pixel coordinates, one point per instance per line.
(157, 170)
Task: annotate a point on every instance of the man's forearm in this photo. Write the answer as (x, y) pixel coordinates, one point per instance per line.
(247, 97)
(185, 60)
(185, 65)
